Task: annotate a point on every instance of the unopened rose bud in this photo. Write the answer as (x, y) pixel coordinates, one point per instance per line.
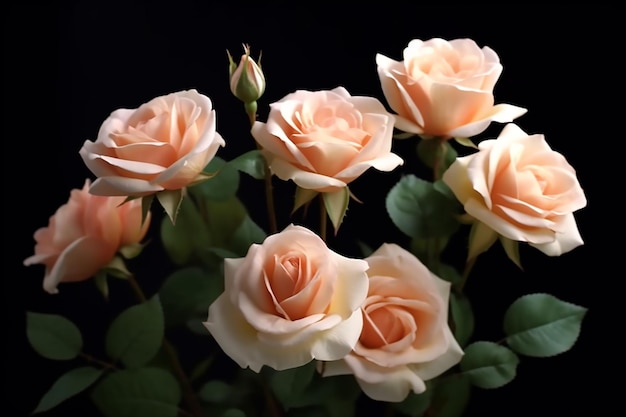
(247, 81)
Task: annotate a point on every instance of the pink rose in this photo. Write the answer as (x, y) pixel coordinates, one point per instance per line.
(162, 145)
(444, 88)
(405, 339)
(288, 301)
(84, 235)
(323, 140)
(516, 186)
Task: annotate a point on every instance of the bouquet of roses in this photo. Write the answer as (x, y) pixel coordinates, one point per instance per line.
(295, 327)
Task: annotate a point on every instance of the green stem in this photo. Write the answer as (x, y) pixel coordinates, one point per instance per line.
(269, 194)
(189, 394)
(103, 364)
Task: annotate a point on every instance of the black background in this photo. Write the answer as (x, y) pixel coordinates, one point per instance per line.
(66, 68)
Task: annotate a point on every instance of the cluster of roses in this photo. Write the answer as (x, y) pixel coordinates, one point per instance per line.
(292, 299)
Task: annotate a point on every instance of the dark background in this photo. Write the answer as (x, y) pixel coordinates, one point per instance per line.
(66, 68)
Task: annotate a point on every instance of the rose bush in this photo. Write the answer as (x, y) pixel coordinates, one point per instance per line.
(84, 235)
(405, 339)
(162, 145)
(323, 140)
(516, 186)
(444, 88)
(288, 301)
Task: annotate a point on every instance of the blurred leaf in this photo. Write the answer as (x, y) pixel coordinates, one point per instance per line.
(336, 394)
(433, 151)
(449, 273)
(102, 283)
(117, 268)
(462, 317)
(223, 218)
(138, 392)
(415, 404)
(466, 142)
(365, 249)
(489, 365)
(233, 412)
(541, 325)
(201, 369)
(53, 336)
(215, 391)
(450, 396)
(429, 250)
(419, 210)
(136, 335)
(190, 234)
(222, 186)
(252, 163)
(187, 291)
(246, 234)
(68, 385)
(290, 384)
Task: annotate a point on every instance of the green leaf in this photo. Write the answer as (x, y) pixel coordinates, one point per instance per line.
(68, 385)
(138, 392)
(252, 163)
(435, 151)
(290, 384)
(489, 365)
(541, 325)
(136, 335)
(415, 404)
(171, 200)
(233, 412)
(449, 273)
(246, 234)
(450, 397)
(222, 186)
(184, 240)
(420, 211)
(188, 291)
(215, 391)
(102, 283)
(53, 336)
(462, 318)
(117, 268)
(223, 219)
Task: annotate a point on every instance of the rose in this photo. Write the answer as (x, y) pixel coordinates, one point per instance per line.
(162, 145)
(323, 140)
(84, 235)
(288, 301)
(405, 338)
(444, 88)
(518, 187)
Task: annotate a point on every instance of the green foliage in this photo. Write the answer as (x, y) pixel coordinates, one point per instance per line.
(291, 384)
(541, 325)
(68, 385)
(450, 396)
(251, 162)
(136, 335)
(434, 152)
(188, 292)
(53, 336)
(489, 365)
(462, 317)
(222, 186)
(420, 210)
(138, 392)
(415, 404)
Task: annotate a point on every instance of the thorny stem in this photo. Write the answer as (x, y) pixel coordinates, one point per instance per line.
(189, 394)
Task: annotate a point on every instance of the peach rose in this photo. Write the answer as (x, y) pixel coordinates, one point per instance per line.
(444, 88)
(162, 145)
(323, 140)
(84, 235)
(405, 339)
(288, 301)
(516, 186)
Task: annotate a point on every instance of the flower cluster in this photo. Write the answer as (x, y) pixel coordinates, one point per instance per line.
(283, 304)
